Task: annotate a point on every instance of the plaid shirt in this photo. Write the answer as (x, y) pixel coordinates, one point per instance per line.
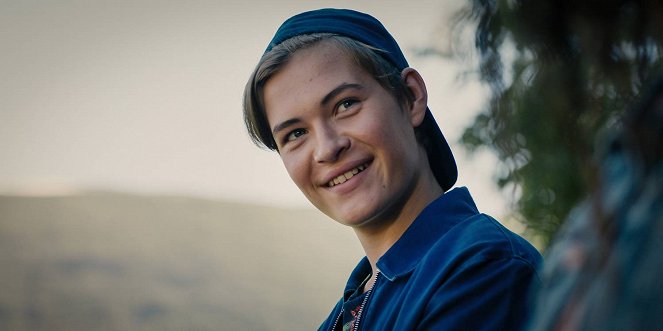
(604, 270)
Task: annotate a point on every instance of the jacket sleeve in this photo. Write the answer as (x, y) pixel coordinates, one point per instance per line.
(483, 294)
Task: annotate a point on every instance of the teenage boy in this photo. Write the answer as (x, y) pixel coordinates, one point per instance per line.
(335, 97)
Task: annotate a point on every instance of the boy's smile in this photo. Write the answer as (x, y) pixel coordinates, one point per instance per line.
(345, 141)
(345, 176)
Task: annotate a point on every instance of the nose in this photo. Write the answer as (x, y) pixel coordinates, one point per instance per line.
(330, 145)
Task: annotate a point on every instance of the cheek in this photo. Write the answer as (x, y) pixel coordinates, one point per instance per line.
(382, 132)
(395, 141)
(297, 169)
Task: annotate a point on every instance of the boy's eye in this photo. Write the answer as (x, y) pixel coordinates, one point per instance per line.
(345, 105)
(294, 134)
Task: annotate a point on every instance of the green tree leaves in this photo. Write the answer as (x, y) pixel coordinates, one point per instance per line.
(561, 72)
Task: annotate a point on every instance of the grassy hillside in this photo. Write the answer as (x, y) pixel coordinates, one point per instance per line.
(124, 262)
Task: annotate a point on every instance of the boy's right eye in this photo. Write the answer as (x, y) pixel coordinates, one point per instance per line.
(294, 134)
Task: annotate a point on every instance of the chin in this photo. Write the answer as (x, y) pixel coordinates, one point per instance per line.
(356, 218)
(355, 215)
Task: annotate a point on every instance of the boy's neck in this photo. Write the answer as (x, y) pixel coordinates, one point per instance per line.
(377, 240)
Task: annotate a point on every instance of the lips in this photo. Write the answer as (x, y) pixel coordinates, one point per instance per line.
(347, 175)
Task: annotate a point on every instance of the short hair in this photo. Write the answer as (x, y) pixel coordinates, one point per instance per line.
(365, 56)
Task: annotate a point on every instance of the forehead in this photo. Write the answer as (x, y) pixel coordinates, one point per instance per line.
(310, 73)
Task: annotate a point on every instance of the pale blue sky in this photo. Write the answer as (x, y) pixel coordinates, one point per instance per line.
(145, 96)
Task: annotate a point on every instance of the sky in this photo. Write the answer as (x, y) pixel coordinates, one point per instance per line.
(145, 96)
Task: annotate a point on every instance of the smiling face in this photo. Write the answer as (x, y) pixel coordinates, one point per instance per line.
(345, 141)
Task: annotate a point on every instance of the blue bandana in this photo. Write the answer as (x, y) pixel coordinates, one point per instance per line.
(349, 23)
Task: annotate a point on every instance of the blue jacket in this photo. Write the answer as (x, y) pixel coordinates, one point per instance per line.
(452, 269)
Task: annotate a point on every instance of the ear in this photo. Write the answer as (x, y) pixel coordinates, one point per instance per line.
(415, 83)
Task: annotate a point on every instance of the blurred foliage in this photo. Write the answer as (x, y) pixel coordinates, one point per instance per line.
(561, 73)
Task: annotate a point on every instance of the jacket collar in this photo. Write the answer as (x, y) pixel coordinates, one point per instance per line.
(432, 223)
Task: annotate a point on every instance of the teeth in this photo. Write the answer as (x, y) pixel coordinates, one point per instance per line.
(344, 177)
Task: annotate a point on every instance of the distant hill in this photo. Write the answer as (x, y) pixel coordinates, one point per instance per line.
(125, 262)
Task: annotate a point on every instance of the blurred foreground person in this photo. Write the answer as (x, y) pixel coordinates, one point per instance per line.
(605, 268)
(335, 97)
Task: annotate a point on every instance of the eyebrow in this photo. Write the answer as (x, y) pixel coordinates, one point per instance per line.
(281, 126)
(325, 100)
(338, 90)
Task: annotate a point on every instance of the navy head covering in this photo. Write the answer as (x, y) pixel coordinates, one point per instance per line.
(368, 30)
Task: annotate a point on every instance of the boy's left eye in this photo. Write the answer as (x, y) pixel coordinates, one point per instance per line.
(345, 105)
(294, 134)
